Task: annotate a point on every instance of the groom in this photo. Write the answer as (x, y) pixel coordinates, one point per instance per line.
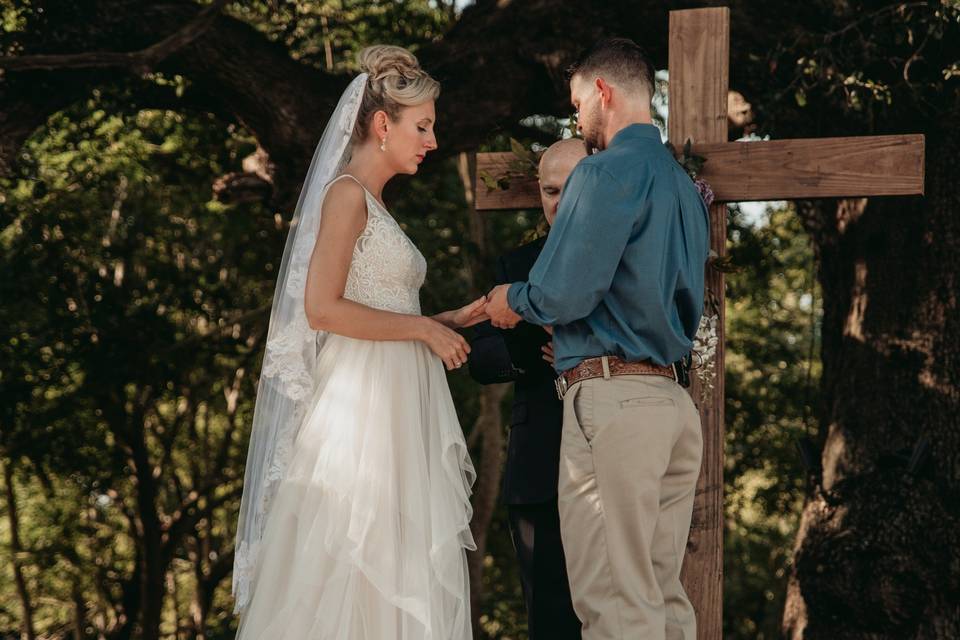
(621, 280)
(522, 355)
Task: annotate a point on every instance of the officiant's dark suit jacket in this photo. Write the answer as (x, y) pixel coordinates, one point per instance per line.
(514, 355)
(533, 456)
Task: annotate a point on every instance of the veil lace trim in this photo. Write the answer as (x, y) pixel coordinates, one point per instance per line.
(288, 376)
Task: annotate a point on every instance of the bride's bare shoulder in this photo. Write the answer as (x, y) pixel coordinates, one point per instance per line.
(345, 203)
(345, 192)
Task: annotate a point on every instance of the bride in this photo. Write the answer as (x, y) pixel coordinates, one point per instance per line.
(355, 513)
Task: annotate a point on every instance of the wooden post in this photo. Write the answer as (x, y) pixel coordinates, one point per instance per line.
(699, 51)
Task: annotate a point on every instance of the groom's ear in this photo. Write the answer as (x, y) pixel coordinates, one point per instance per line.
(605, 90)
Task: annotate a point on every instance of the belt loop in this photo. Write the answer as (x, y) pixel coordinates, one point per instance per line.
(605, 361)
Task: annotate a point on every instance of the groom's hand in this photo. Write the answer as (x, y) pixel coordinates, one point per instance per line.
(501, 315)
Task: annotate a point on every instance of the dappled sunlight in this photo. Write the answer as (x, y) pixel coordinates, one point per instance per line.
(853, 327)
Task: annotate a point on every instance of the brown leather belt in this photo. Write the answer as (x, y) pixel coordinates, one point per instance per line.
(593, 368)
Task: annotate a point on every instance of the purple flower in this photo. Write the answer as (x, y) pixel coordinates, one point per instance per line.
(705, 191)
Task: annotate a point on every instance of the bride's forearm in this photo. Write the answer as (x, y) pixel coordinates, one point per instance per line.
(355, 320)
(445, 318)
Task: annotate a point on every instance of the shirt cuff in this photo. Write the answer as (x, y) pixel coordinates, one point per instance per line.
(517, 297)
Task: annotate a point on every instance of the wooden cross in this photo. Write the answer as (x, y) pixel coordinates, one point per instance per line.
(737, 171)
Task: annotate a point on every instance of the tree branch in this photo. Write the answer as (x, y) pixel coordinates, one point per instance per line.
(246, 78)
(140, 61)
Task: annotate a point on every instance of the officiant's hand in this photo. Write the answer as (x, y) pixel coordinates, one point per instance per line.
(548, 352)
(501, 315)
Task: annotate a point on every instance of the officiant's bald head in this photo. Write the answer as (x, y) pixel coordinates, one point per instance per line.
(556, 163)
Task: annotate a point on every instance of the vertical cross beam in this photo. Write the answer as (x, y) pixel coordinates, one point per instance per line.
(699, 53)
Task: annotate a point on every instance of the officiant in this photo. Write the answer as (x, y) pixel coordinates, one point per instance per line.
(523, 355)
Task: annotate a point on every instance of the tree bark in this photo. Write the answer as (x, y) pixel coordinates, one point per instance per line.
(486, 491)
(16, 548)
(488, 427)
(877, 552)
(149, 531)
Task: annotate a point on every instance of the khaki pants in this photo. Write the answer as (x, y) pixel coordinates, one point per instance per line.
(629, 463)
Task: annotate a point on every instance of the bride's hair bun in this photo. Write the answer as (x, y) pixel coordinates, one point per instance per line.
(383, 60)
(396, 81)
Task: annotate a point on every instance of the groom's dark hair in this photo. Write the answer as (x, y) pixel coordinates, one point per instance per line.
(620, 60)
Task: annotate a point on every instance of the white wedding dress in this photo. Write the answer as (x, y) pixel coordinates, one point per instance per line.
(367, 533)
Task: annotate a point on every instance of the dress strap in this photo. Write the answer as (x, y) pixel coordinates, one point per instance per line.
(365, 190)
(347, 175)
(366, 194)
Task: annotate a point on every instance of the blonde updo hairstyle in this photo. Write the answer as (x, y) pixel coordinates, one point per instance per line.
(396, 81)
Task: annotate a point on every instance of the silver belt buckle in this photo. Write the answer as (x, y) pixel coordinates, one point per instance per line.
(561, 384)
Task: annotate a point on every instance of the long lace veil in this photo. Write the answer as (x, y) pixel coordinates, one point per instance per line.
(288, 376)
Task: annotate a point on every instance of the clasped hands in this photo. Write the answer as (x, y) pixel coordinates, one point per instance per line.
(492, 307)
(498, 309)
(450, 345)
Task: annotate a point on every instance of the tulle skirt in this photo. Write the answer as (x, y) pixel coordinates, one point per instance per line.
(367, 533)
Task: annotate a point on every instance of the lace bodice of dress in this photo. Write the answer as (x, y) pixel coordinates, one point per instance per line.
(387, 270)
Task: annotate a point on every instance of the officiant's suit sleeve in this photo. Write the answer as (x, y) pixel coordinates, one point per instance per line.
(576, 267)
(489, 360)
(523, 360)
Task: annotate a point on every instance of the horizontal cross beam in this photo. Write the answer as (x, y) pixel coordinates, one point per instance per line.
(814, 168)
(767, 170)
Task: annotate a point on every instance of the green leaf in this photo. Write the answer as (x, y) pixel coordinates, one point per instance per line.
(488, 180)
(521, 151)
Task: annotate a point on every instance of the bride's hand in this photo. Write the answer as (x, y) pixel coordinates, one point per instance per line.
(470, 314)
(450, 346)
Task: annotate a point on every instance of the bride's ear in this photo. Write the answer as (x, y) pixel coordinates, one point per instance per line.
(378, 124)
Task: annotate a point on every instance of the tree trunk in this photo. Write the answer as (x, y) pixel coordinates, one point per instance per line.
(488, 428)
(877, 554)
(490, 424)
(151, 568)
(16, 549)
(154, 569)
(79, 613)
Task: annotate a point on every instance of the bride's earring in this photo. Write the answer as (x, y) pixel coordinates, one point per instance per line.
(383, 144)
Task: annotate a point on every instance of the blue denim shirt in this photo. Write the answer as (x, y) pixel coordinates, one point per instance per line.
(622, 272)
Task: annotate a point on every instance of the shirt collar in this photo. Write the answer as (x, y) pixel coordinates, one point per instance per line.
(637, 131)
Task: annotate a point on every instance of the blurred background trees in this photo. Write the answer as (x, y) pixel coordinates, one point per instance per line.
(143, 204)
